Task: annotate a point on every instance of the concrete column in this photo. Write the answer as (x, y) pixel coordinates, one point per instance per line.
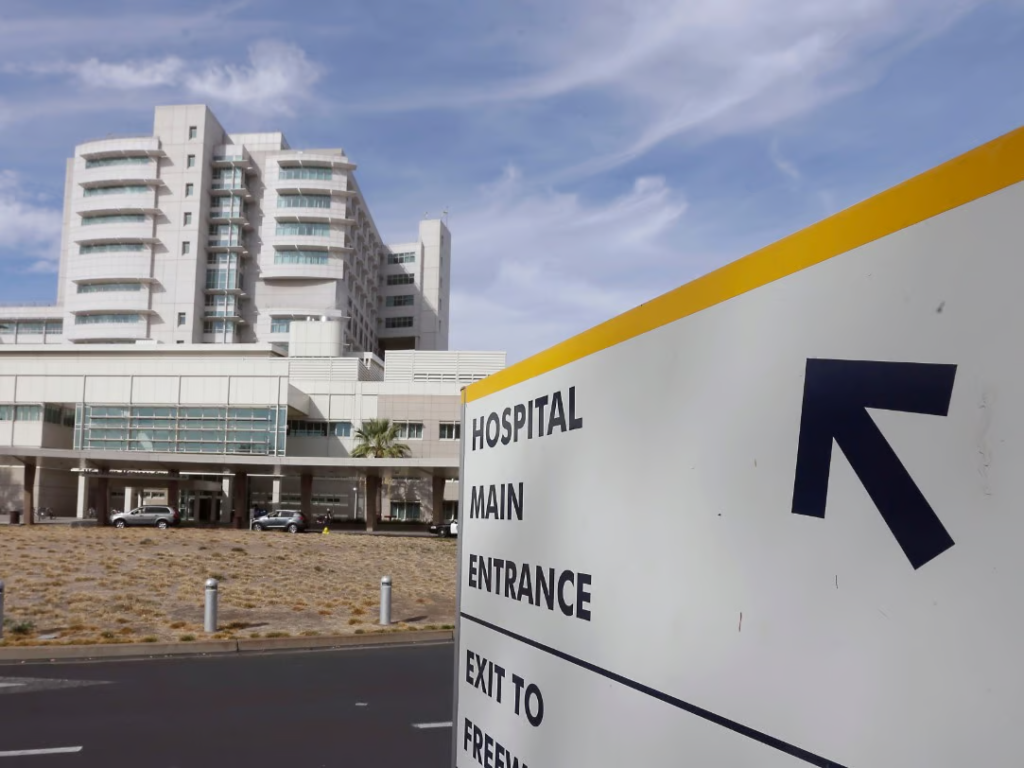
(225, 500)
(373, 501)
(306, 497)
(28, 494)
(239, 499)
(82, 502)
(275, 492)
(129, 498)
(173, 489)
(438, 501)
(103, 500)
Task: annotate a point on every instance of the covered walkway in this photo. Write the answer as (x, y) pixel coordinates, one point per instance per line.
(223, 488)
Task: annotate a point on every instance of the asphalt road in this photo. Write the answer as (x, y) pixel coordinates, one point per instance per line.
(298, 710)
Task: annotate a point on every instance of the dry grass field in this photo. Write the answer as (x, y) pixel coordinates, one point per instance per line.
(85, 585)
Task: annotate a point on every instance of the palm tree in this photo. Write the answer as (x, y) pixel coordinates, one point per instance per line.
(377, 439)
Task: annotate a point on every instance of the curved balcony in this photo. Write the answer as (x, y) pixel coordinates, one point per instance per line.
(334, 269)
(108, 175)
(120, 147)
(119, 232)
(109, 301)
(114, 204)
(302, 159)
(97, 332)
(336, 241)
(337, 214)
(110, 267)
(337, 186)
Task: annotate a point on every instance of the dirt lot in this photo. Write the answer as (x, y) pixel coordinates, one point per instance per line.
(74, 585)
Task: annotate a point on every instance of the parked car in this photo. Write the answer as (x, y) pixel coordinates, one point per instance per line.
(284, 520)
(160, 516)
(444, 530)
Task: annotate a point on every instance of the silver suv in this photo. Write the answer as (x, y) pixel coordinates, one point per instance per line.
(160, 516)
(282, 520)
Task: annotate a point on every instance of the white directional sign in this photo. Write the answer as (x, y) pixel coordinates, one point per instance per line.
(774, 518)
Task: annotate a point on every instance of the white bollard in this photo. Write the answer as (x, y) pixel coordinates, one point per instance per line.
(1, 609)
(385, 601)
(210, 617)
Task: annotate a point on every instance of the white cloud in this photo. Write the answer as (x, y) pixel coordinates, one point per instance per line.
(277, 73)
(700, 67)
(29, 232)
(535, 265)
(131, 74)
(779, 161)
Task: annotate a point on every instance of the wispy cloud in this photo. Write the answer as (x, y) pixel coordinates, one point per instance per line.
(276, 76)
(779, 161)
(698, 67)
(29, 232)
(544, 264)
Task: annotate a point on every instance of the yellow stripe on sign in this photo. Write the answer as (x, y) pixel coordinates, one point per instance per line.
(982, 171)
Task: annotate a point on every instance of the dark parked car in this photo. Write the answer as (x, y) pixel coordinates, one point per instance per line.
(160, 516)
(283, 520)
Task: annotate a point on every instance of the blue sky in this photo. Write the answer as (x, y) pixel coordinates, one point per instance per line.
(592, 154)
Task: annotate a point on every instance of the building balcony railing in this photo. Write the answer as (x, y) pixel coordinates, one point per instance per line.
(147, 174)
(120, 232)
(109, 301)
(136, 328)
(335, 186)
(120, 146)
(142, 202)
(334, 269)
(227, 244)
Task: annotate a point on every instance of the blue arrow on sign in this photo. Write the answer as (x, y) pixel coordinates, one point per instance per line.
(836, 396)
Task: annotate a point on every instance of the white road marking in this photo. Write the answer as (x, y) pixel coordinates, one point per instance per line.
(424, 726)
(361, 704)
(11, 685)
(29, 752)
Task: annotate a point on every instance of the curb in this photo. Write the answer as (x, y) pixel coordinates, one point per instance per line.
(218, 647)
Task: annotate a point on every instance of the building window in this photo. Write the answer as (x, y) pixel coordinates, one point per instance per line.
(189, 190)
(181, 318)
(28, 413)
(280, 324)
(307, 428)
(54, 326)
(114, 218)
(121, 189)
(219, 305)
(300, 257)
(186, 246)
(409, 430)
(120, 319)
(304, 229)
(193, 131)
(223, 279)
(108, 287)
(401, 258)
(188, 218)
(190, 162)
(304, 201)
(182, 429)
(341, 428)
(319, 174)
(402, 279)
(398, 301)
(405, 510)
(398, 322)
(108, 161)
(111, 248)
(451, 430)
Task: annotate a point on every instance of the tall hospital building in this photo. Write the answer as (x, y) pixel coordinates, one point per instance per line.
(227, 315)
